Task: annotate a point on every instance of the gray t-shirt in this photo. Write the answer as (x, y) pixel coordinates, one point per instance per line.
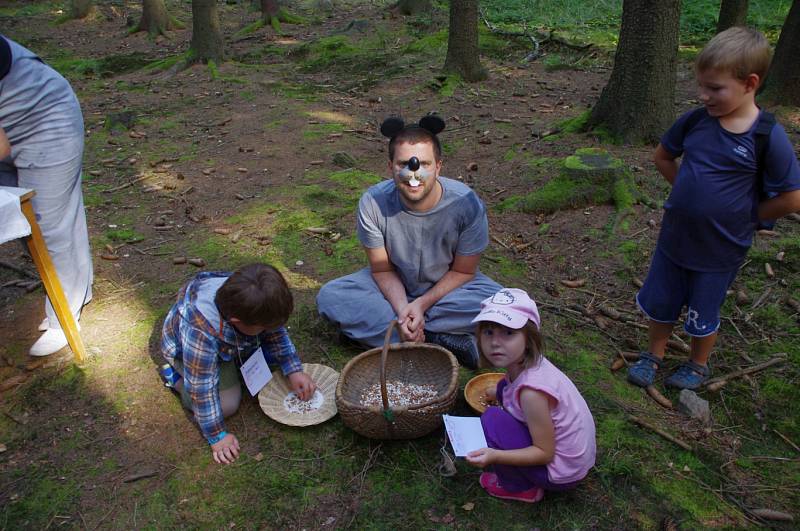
(423, 245)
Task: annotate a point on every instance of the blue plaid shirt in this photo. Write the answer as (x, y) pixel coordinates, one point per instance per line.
(187, 335)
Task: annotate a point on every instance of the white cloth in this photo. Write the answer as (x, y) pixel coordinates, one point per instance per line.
(13, 224)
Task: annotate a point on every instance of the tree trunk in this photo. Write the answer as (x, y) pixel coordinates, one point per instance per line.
(462, 42)
(783, 78)
(732, 13)
(79, 8)
(272, 14)
(155, 19)
(637, 102)
(206, 36)
(412, 7)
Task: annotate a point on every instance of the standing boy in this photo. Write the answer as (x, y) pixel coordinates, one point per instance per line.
(219, 322)
(715, 204)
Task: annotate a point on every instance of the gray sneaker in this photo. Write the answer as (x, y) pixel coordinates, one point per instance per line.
(463, 346)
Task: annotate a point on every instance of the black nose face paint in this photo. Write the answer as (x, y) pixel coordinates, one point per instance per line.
(413, 164)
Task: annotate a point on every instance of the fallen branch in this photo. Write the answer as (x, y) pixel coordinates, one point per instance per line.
(714, 384)
(658, 397)
(619, 362)
(772, 515)
(660, 432)
(501, 242)
(140, 475)
(787, 439)
(679, 345)
(19, 270)
(534, 54)
(127, 184)
(761, 298)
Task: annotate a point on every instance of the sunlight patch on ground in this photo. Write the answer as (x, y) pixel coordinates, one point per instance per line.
(300, 281)
(333, 117)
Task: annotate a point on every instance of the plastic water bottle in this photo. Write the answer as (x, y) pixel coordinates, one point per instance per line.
(170, 375)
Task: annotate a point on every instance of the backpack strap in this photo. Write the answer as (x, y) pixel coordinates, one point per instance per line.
(766, 121)
(693, 119)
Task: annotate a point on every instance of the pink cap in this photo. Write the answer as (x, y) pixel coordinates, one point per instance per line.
(509, 307)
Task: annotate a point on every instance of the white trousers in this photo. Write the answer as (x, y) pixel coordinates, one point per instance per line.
(58, 205)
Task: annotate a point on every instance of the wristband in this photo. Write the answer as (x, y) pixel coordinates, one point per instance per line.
(217, 438)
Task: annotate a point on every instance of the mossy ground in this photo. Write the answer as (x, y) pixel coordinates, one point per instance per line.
(74, 433)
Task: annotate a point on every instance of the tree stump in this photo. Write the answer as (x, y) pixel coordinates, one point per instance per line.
(590, 176)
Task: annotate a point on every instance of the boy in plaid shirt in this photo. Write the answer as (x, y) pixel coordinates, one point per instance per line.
(218, 322)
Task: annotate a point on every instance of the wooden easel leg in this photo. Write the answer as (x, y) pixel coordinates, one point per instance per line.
(41, 257)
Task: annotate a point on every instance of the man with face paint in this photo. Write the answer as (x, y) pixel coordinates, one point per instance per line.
(423, 235)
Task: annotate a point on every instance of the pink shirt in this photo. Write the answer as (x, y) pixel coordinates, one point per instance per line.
(574, 426)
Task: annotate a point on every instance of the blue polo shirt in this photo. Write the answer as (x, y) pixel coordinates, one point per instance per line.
(711, 213)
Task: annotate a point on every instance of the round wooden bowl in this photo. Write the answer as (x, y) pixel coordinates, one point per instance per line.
(272, 398)
(475, 390)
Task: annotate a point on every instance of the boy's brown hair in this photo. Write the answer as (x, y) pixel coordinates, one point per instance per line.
(738, 50)
(533, 344)
(415, 135)
(256, 294)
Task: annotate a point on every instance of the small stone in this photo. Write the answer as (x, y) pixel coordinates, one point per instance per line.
(651, 223)
(693, 406)
(742, 297)
(242, 170)
(780, 256)
(299, 263)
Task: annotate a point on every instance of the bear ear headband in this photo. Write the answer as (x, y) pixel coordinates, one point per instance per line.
(394, 124)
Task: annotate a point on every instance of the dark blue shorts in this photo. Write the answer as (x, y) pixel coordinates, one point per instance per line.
(669, 287)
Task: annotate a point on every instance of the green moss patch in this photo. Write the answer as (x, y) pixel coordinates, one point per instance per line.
(590, 176)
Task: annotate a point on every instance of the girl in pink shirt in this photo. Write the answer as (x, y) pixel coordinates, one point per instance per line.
(542, 436)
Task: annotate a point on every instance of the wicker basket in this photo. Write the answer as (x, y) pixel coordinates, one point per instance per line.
(414, 363)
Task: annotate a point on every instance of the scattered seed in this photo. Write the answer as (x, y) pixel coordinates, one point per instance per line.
(400, 394)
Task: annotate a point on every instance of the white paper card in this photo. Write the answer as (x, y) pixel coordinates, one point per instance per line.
(465, 434)
(255, 372)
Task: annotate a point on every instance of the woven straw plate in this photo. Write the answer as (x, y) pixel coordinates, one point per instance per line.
(475, 390)
(275, 395)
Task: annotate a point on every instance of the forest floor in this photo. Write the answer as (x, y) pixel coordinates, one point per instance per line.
(231, 165)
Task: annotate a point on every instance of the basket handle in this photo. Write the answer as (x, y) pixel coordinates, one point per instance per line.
(387, 412)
